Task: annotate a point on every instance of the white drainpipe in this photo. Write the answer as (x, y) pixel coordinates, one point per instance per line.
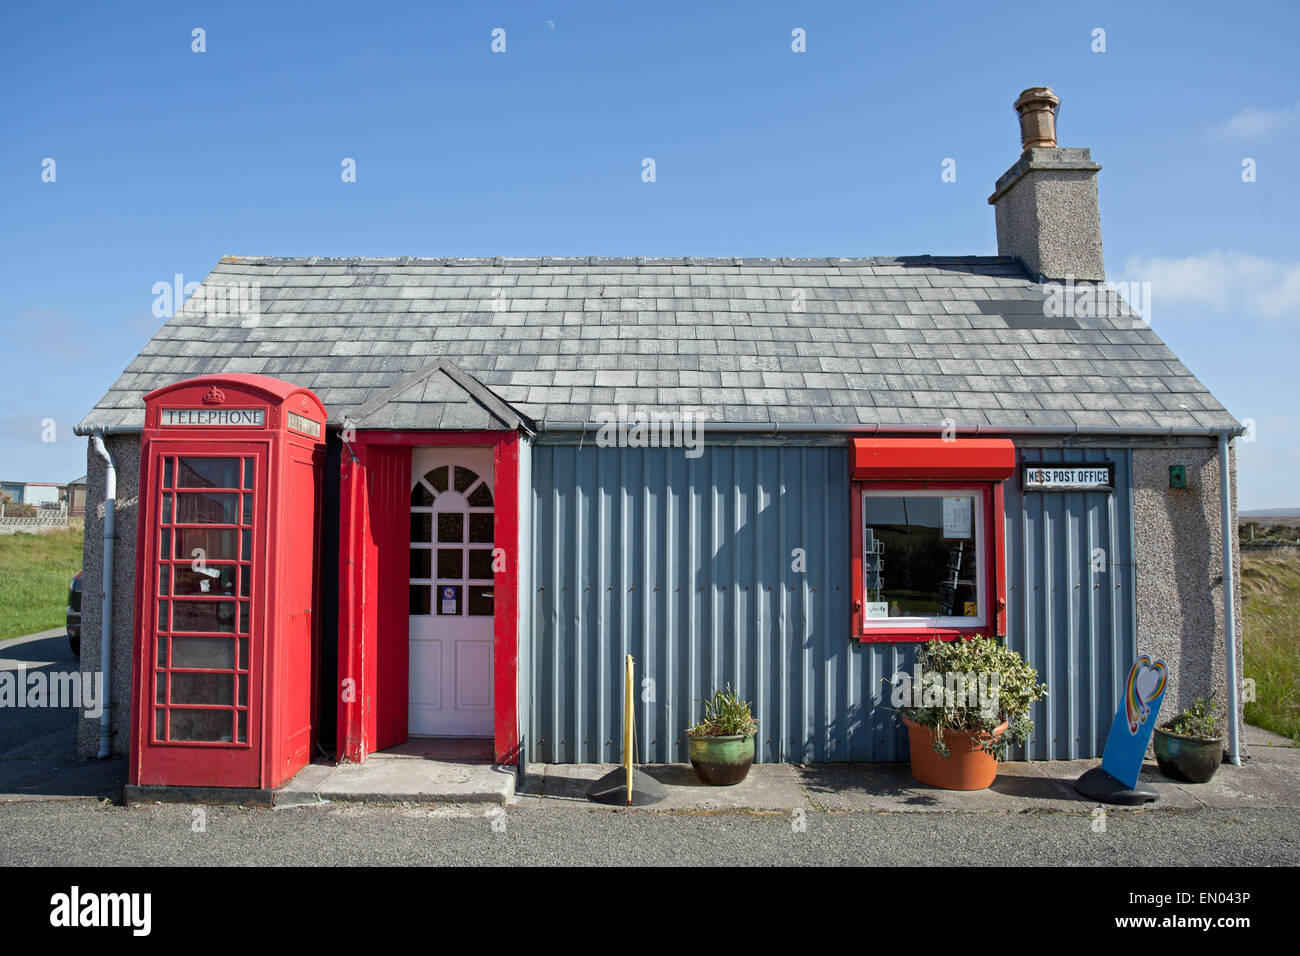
(1229, 604)
(106, 608)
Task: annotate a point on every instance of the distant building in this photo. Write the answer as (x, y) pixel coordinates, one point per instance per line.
(76, 497)
(44, 494)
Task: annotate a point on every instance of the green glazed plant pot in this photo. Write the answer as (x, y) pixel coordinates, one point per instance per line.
(1191, 759)
(722, 761)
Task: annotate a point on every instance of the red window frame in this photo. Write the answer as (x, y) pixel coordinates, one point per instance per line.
(970, 465)
(993, 592)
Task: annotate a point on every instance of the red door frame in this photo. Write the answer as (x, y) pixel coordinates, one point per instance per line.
(374, 538)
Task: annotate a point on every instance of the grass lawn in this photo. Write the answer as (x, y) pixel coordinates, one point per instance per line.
(34, 573)
(1270, 592)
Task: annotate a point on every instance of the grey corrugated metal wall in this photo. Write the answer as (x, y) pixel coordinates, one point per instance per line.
(687, 564)
(1076, 625)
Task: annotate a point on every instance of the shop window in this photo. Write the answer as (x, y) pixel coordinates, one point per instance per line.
(924, 561)
(921, 562)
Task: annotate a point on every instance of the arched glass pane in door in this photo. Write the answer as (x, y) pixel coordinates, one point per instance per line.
(451, 544)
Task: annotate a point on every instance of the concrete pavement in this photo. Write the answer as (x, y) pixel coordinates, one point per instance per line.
(1269, 779)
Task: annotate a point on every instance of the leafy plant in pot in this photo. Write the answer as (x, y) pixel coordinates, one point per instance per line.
(1189, 747)
(722, 743)
(972, 702)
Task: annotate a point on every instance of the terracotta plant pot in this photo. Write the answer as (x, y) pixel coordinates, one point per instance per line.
(1191, 759)
(722, 761)
(967, 767)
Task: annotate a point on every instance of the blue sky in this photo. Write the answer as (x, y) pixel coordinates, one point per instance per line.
(167, 159)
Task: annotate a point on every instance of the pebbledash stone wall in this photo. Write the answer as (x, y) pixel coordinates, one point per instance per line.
(125, 450)
(1180, 590)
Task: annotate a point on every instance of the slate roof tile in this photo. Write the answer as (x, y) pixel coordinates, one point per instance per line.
(860, 341)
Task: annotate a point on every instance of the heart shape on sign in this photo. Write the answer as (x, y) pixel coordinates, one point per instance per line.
(1146, 682)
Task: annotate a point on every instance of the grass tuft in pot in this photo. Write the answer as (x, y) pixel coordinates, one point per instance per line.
(1189, 746)
(725, 715)
(722, 742)
(1201, 720)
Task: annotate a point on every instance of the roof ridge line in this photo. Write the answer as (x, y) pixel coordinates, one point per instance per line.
(502, 262)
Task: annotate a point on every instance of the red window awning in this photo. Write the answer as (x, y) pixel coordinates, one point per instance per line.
(908, 459)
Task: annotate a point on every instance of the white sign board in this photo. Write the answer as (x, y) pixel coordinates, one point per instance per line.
(214, 417)
(957, 517)
(304, 425)
(875, 609)
(1063, 477)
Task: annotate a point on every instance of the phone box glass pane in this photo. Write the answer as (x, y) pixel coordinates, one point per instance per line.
(204, 725)
(203, 688)
(203, 616)
(213, 652)
(213, 544)
(206, 508)
(207, 473)
(216, 579)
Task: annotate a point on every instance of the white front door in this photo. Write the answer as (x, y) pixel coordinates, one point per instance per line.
(451, 596)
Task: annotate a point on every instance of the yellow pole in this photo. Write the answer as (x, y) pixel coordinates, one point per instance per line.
(628, 728)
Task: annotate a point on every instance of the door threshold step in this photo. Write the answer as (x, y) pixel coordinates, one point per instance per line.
(399, 781)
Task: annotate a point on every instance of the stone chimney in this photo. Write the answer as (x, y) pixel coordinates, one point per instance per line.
(1046, 204)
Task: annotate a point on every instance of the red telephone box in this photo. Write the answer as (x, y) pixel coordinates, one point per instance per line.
(226, 579)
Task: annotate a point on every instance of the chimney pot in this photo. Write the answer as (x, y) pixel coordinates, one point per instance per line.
(1046, 204)
(1037, 108)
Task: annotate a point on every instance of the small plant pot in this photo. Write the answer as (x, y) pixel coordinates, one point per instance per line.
(722, 761)
(967, 766)
(1190, 759)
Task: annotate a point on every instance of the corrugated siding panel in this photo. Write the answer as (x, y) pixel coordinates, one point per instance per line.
(1076, 625)
(687, 565)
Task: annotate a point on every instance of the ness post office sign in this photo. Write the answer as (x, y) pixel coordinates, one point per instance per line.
(1068, 476)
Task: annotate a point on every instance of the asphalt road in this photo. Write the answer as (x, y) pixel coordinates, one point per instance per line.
(38, 745)
(86, 832)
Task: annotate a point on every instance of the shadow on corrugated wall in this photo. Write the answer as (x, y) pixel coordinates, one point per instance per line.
(1071, 606)
(733, 568)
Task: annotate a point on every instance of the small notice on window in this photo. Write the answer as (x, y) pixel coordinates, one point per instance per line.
(956, 517)
(450, 600)
(875, 609)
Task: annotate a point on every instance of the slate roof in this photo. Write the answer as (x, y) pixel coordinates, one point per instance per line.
(890, 341)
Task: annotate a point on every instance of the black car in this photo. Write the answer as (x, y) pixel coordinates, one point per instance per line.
(74, 615)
